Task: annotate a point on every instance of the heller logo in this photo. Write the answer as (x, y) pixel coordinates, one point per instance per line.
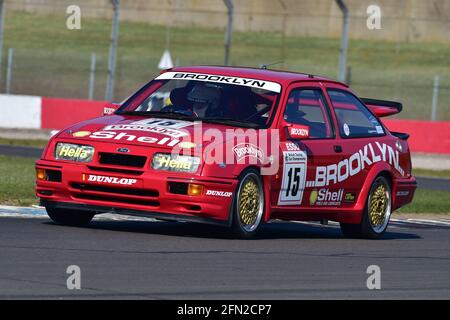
(166, 161)
(72, 151)
(110, 180)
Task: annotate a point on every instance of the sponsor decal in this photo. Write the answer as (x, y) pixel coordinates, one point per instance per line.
(187, 145)
(294, 178)
(108, 110)
(129, 137)
(365, 157)
(74, 151)
(290, 146)
(215, 193)
(80, 134)
(402, 193)
(253, 83)
(313, 197)
(346, 129)
(298, 132)
(325, 197)
(166, 127)
(108, 179)
(349, 197)
(244, 150)
(167, 162)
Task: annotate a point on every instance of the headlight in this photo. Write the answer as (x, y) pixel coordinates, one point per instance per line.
(177, 163)
(74, 152)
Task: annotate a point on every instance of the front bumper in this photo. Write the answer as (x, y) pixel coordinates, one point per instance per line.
(150, 196)
(130, 212)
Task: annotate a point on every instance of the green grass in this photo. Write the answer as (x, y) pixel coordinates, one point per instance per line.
(51, 60)
(428, 201)
(24, 142)
(431, 173)
(18, 182)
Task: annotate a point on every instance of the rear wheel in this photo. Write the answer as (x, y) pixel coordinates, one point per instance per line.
(248, 205)
(69, 217)
(376, 215)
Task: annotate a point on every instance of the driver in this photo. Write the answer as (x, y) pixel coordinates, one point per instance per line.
(205, 100)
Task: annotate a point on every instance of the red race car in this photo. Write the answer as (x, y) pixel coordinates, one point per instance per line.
(234, 147)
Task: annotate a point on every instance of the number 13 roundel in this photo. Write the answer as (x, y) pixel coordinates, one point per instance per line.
(294, 178)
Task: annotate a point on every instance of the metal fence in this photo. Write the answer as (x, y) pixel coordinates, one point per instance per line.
(417, 74)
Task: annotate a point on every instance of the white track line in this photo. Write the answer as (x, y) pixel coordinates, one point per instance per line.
(39, 212)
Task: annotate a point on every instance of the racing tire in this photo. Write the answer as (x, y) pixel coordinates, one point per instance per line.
(248, 205)
(73, 218)
(376, 215)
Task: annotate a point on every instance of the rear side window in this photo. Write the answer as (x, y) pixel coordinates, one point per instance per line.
(308, 107)
(354, 119)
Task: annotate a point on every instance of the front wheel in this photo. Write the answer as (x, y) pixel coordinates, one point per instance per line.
(69, 217)
(248, 205)
(376, 215)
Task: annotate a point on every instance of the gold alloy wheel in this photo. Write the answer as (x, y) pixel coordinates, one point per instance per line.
(250, 202)
(379, 207)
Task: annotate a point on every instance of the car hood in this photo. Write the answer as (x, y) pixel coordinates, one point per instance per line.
(136, 130)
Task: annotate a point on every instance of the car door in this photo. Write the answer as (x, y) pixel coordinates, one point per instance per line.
(362, 139)
(305, 109)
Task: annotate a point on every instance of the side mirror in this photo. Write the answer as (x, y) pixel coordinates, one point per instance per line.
(297, 132)
(110, 108)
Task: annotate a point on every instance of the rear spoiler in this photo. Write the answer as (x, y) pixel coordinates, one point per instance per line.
(383, 108)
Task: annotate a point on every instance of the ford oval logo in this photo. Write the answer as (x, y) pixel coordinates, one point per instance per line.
(123, 150)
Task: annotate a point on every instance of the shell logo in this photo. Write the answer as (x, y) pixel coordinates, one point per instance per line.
(80, 134)
(313, 197)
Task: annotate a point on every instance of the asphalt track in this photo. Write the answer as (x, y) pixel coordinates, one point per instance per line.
(32, 152)
(129, 259)
(147, 259)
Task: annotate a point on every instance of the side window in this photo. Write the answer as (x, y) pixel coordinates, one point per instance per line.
(354, 120)
(308, 107)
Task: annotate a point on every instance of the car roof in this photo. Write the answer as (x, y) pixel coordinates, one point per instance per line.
(282, 77)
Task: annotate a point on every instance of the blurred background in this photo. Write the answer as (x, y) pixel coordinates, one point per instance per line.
(408, 59)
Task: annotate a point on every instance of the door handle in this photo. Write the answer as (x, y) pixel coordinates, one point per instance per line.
(338, 149)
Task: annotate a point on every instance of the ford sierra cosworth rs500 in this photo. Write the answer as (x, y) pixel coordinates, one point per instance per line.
(235, 147)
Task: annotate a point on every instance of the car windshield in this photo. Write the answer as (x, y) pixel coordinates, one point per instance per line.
(243, 104)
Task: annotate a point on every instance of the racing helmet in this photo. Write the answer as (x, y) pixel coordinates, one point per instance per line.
(205, 99)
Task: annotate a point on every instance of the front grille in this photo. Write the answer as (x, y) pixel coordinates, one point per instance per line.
(122, 171)
(106, 198)
(125, 160)
(116, 190)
